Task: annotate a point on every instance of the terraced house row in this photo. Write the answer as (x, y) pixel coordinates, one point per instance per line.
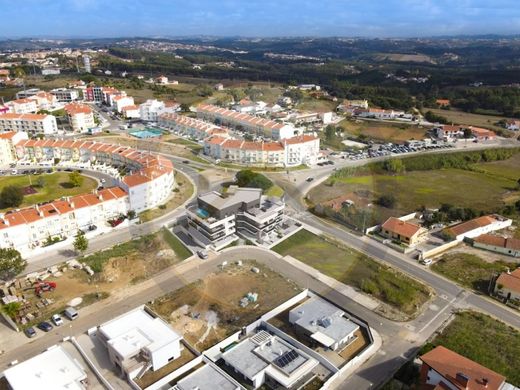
(289, 152)
(148, 184)
(190, 127)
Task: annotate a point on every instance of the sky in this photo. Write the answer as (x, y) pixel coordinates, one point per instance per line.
(252, 18)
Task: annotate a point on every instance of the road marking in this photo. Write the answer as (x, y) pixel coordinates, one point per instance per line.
(437, 315)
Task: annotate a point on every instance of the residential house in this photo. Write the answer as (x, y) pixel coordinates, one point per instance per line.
(478, 226)
(402, 231)
(442, 102)
(507, 285)
(22, 106)
(504, 245)
(443, 369)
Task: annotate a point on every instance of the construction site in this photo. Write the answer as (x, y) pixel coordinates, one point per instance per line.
(209, 310)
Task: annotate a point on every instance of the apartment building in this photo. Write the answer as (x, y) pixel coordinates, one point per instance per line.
(304, 149)
(151, 109)
(149, 183)
(94, 94)
(120, 101)
(216, 218)
(32, 124)
(30, 227)
(27, 93)
(66, 95)
(248, 123)
(80, 117)
(190, 127)
(130, 112)
(45, 100)
(22, 106)
(8, 140)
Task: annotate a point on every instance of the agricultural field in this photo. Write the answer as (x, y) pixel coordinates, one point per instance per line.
(54, 186)
(466, 118)
(207, 311)
(414, 189)
(485, 340)
(381, 131)
(509, 168)
(356, 269)
(470, 270)
(316, 105)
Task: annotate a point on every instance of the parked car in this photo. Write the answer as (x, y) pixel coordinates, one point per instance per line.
(185, 162)
(30, 332)
(202, 254)
(426, 261)
(309, 179)
(56, 319)
(71, 313)
(45, 326)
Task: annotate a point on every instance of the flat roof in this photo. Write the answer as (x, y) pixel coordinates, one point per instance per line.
(260, 351)
(52, 369)
(239, 195)
(208, 377)
(324, 320)
(137, 329)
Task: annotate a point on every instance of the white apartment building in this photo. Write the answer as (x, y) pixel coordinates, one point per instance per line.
(27, 93)
(29, 228)
(189, 127)
(216, 219)
(32, 124)
(8, 140)
(151, 109)
(22, 106)
(304, 149)
(119, 102)
(139, 340)
(130, 112)
(66, 95)
(80, 117)
(248, 123)
(45, 100)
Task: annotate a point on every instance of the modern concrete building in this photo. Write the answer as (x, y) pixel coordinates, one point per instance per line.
(66, 95)
(216, 218)
(138, 341)
(208, 377)
(53, 369)
(323, 324)
(267, 359)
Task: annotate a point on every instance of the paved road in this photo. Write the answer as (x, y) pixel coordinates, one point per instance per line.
(399, 340)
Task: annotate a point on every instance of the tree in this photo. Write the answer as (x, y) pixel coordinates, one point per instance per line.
(11, 196)
(237, 94)
(386, 200)
(330, 132)
(185, 107)
(11, 263)
(467, 133)
(75, 179)
(12, 309)
(80, 243)
(394, 165)
(40, 182)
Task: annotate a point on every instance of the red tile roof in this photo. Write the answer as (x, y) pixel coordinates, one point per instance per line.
(472, 224)
(448, 364)
(77, 108)
(510, 281)
(7, 135)
(403, 228)
(503, 242)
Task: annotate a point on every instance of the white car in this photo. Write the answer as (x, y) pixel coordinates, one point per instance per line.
(426, 261)
(57, 320)
(103, 180)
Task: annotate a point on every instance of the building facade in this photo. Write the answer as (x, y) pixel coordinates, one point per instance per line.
(80, 117)
(31, 124)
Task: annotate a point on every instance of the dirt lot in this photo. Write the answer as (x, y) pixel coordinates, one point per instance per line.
(209, 310)
(116, 269)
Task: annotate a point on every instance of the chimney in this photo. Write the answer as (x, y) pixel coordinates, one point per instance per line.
(462, 379)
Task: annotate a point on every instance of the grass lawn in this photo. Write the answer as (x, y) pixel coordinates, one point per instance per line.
(469, 270)
(387, 132)
(185, 190)
(55, 186)
(485, 340)
(180, 250)
(466, 118)
(425, 188)
(355, 269)
(185, 142)
(316, 105)
(275, 190)
(509, 168)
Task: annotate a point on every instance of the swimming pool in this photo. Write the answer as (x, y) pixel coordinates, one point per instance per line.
(147, 133)
(202, 213)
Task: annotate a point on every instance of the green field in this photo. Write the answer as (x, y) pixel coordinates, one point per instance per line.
(466, 118)
(185, 142)
(469, 270)
(412, 190)
(356, 269)
(55, 186)
(485, 340)
(382, 131)
(509, 168)
(316, 105)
